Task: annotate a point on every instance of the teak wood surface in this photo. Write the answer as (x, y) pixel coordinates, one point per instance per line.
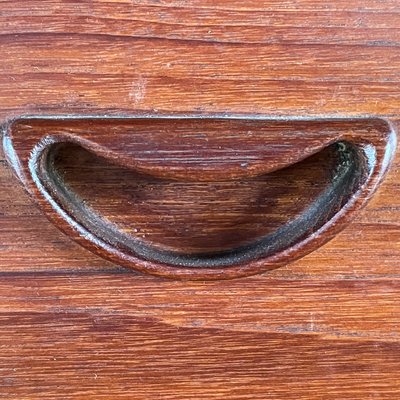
(74, 326)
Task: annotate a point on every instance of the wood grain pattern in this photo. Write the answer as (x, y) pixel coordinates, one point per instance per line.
(74, 326)
(305, 178)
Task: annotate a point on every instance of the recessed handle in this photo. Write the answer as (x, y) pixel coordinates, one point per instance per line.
(200, 197)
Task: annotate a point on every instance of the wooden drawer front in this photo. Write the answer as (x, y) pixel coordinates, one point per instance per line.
(75, 326)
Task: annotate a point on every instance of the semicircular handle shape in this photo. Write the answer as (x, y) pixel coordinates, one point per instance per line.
(297, 183)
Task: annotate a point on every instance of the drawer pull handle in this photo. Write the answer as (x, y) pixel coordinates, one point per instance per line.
(200, 197)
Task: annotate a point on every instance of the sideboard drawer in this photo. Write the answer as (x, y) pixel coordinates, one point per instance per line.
(200, 199)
